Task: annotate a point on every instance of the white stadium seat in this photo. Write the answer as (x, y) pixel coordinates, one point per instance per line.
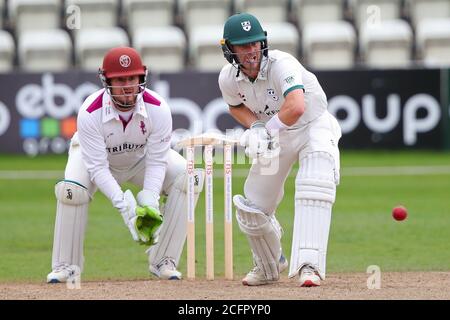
(96, 13)
(267, 11)
(428, 9)
(162, 48)
(372, 11)
(282, 36)
(7, 50)
(148, 13)
(387, 44)
(34, 14)
(433, 41)
(205, 52)
(329, 45)
(203, 12)
(307, 11)
(45, 50)
(92, 44)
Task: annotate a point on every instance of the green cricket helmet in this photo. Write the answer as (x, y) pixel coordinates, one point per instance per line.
(242, 28)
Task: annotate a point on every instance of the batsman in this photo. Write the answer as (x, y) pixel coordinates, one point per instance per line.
(285, 110)
(123, 135)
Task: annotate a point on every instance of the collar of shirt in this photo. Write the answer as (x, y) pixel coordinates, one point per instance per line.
(110, 112)
(262, 74)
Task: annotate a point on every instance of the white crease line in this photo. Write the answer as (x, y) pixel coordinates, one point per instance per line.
(376, 171)
(240, 173)
(31, 174)
(395, 171)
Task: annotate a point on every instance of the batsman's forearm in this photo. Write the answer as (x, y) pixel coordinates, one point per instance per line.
(292, 108)
(243, 115)
(289, 116)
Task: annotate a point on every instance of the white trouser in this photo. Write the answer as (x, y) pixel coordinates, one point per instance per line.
(70, 224)
(264, 186)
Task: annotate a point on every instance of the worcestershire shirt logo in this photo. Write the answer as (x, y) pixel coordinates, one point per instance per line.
(246, 25)
(271, 93)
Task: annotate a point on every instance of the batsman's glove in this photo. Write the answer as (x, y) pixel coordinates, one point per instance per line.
(256, 140)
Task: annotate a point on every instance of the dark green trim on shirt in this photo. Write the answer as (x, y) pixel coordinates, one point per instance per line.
(299, 86)
(74, 182)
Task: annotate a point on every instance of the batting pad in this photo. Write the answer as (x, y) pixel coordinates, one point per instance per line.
(70, 225)
(263, 234)
(172, 234)
(315, 192)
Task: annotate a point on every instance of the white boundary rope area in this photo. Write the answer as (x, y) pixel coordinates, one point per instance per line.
(241, 173)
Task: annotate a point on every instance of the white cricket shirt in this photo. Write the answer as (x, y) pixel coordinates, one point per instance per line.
(280, 73)
(108, 142)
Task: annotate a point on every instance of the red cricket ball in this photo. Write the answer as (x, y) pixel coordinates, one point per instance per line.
(399, 213)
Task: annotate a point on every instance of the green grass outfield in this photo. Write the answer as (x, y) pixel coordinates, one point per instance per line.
(362, 231)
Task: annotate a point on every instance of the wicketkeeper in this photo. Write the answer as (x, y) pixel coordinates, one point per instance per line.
(123, 135)
(285, 109)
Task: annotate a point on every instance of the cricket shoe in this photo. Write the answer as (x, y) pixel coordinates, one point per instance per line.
(309, 277)
(256, 276)
(165, 270)
(62, 273)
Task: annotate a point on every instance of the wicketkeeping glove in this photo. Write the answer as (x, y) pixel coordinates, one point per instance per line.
(143, 222)
(148, 223)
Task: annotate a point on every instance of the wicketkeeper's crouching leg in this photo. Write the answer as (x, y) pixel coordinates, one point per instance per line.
(165, 255)
(73, 197)
(70, 226)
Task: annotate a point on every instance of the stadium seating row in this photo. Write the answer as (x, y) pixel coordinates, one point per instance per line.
(321, 33)
(137, 13)
(20, 15)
